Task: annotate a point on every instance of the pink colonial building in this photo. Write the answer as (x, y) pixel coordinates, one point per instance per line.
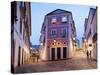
(58, 36)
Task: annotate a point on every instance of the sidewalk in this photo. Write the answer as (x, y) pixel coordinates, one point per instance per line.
(79, 62)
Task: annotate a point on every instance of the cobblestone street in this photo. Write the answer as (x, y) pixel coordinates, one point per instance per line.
(78, 62)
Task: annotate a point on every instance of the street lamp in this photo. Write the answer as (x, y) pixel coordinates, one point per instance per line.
(74, 45)
(85, 40)
(74, 38)
(41, 44)
(31, 48)
(54, 40)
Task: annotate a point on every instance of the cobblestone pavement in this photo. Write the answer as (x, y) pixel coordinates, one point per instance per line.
(78, 62)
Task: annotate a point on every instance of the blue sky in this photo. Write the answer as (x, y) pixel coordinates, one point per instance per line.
(39, 10)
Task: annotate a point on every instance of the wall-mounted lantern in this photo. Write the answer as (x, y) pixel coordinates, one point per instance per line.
(54, 40)
(41, 44)
(74, 38)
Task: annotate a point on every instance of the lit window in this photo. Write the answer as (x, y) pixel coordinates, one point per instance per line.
(53, 20)
(64, 19)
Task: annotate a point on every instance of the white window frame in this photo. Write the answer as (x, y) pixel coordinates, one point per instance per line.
(53, 20)
(64, 19)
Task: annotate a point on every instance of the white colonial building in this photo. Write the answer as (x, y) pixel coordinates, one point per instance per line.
(20, 33)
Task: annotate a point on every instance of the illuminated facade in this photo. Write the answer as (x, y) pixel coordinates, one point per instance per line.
(90, 33)
(58, 35)
(20, 33)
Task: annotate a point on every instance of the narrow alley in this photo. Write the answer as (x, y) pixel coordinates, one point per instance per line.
(53, 40)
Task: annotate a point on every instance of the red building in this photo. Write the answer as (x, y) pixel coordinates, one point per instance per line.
(58, 36)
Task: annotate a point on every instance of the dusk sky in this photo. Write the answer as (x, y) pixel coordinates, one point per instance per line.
(39, 10)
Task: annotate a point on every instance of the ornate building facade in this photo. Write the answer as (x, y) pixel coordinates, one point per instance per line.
(58, 35)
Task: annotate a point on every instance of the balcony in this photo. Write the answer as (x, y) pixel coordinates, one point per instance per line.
(59, 35)
(53, 35)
